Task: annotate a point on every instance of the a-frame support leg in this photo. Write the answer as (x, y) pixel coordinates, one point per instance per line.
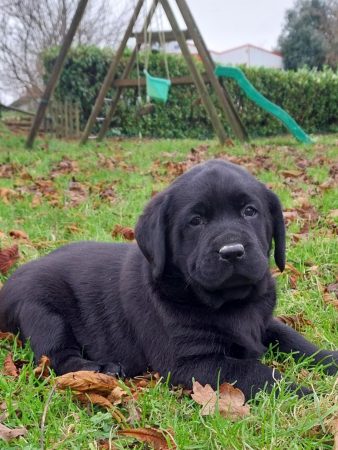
(198, 80)
(125, 74)
(223, 97)
(111, 74)
(57, 69)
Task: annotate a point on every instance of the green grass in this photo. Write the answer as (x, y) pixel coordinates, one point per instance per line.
(282, 423)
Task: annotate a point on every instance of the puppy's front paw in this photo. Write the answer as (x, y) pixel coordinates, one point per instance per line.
(113, 369)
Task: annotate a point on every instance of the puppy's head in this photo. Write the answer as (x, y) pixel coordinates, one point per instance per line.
(215, 224)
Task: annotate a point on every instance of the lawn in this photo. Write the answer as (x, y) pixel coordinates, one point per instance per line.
(61, 192)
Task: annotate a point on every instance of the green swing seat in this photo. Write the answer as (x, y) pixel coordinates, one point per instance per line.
(157, 88)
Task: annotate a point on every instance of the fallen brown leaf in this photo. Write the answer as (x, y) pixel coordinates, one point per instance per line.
(9, 367)
(64, 166)
(330, 299)
(152, 436)
(7, 170)
(73, 228)
(230, 400)
(292, 269)
(36, 201)
(333, 213)
(334, 430)
(291, 173)
(296, 321)
(7, 434)
(116, 395)
(328, 184)
(8, 258)
(3, 412)
(7, 194)
(96, 399)
(106, 161)
(85, 380)
(77, 193)
(104, 444)
(290, 216)
(42, 370)
(10, 337)
(125, 232)
(18, 234)
(108, 194)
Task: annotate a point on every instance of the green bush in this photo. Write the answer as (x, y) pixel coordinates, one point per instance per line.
(311, 97)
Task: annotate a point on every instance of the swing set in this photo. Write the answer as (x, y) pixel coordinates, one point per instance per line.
(158, 88)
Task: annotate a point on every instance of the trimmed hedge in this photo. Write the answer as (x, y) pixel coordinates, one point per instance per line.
(311, 97)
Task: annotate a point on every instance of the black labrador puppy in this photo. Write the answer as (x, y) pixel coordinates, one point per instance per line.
(194, 297)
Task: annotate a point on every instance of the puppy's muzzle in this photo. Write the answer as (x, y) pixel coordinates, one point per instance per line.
(231, 252)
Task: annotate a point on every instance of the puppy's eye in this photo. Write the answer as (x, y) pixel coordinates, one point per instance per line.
(249, 211)
(197, 220)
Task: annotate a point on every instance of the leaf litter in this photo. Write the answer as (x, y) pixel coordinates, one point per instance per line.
(228, 401)
(8, 257)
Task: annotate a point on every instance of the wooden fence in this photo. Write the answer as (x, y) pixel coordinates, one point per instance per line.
(64, 119)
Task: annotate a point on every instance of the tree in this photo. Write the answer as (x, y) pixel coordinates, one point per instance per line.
(29, 27)
(310, 35)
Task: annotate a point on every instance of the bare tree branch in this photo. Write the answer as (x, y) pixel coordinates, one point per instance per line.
(29, 27)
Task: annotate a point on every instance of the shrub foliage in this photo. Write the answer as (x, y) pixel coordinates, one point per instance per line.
(311, 97)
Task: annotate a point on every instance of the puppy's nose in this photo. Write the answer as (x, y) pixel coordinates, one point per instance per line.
(231, 252)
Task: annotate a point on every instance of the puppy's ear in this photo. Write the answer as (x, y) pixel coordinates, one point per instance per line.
(278, 229)
(150, 233)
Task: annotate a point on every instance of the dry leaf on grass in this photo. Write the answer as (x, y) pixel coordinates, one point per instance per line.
(116, 395)
(295, 321)
(10, 337)
(78, 193)
(18, 234)
(8, 258)
(334, 429)
(7, 434)
(333, 214)
(3, 412)
(64, 166)
(7, 194)
(330, 299)
(73, 228)
(230, 401)
(329, 294)
(108, 194)
(9, 367)
(152, 436)
(42, 370)
(96, 399)
(104, 444)
(125, 232)
(7, 170)
(86, 381)
(291, 173)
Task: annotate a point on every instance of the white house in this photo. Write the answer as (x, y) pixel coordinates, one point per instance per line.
(248, 55)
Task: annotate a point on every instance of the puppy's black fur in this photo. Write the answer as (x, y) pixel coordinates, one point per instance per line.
(182, 301)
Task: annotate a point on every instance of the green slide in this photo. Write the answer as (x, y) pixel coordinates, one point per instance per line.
(260, 100)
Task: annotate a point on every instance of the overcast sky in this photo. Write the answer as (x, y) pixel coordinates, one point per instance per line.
(229, 23)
